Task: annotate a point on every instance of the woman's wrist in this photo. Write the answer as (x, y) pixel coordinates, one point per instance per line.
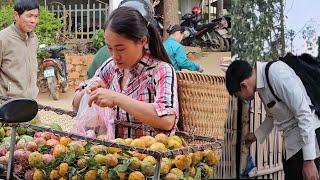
(77, 98)
(116, 98)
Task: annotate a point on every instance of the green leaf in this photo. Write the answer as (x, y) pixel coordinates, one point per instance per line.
(121, 168)
(98, 40)
(112, 174)
(71, 171)
(198, 174)
(92, 163)
(87, 146)
(126, 153)
(124, 160)
(44, 149)
(70, 158)
(40, 165)
(83, 170)
(56, 162)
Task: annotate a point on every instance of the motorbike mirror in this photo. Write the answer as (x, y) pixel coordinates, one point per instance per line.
(18, 110)
(186, 33)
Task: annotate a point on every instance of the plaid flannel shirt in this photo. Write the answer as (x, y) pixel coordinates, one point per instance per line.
(151, 80)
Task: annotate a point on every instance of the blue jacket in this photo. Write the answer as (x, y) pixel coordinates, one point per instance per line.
(178, 55)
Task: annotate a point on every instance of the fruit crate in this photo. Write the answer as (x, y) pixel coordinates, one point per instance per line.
(193, 143)
(207, 143)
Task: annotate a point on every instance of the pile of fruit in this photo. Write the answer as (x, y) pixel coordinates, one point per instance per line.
(44, 155)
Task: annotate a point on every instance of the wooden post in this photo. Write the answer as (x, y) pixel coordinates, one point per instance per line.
(88, 19)
(234, 137)
(219, 8)
(82, 24)
(170, 15)
(64, 19)
(94, 17)
(70, 20)
(245, 120)
(100, 17)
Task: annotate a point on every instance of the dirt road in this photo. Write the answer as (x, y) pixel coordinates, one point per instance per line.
(64, 102)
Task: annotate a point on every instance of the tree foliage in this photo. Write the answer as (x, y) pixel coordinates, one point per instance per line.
(6, 16)
(98, 39)
(256, 30)
(47, 27)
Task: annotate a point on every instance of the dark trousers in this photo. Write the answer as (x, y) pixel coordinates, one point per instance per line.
(293, 166)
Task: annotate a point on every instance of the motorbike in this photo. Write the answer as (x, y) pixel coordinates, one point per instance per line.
(224, 29)
(211, 36)
(55, 70)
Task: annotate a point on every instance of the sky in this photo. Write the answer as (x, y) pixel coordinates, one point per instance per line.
(301, 13)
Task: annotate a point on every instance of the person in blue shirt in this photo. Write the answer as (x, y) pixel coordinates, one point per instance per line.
(176, 50)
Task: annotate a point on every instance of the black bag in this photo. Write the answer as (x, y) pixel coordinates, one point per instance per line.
(308, 69)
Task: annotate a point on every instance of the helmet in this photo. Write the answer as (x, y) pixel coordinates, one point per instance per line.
(142, 6)
(196, 10)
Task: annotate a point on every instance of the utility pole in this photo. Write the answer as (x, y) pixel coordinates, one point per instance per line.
(170, 15)
(291, 35)
(282, 37)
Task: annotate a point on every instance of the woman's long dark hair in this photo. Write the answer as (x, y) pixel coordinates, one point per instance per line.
(128, 22)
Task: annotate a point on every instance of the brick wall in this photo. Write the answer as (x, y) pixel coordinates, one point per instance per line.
(77, 67)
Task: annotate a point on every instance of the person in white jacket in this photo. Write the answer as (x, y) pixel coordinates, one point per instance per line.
(292, 115)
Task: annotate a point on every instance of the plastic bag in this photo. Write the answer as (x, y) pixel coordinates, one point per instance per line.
(94, 121)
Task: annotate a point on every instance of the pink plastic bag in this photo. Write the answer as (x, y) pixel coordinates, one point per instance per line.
(107, 115)
(94, 121)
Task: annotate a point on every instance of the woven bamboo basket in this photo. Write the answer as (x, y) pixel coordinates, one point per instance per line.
(203, 101)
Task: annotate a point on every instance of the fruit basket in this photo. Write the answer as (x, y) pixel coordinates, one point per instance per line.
(46, 153)
(203, 104)
(55, 154)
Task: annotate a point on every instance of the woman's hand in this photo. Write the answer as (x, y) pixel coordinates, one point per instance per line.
(94, 84)
(103, 97)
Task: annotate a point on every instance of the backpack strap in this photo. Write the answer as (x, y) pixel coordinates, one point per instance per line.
(268, 81)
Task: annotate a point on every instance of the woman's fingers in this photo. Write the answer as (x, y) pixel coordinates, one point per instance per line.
(93, 97)
(96, 97)
(101, 97)
(94, 84)
(102, 84)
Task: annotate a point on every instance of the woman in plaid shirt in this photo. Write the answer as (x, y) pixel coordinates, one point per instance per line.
(139, 84)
